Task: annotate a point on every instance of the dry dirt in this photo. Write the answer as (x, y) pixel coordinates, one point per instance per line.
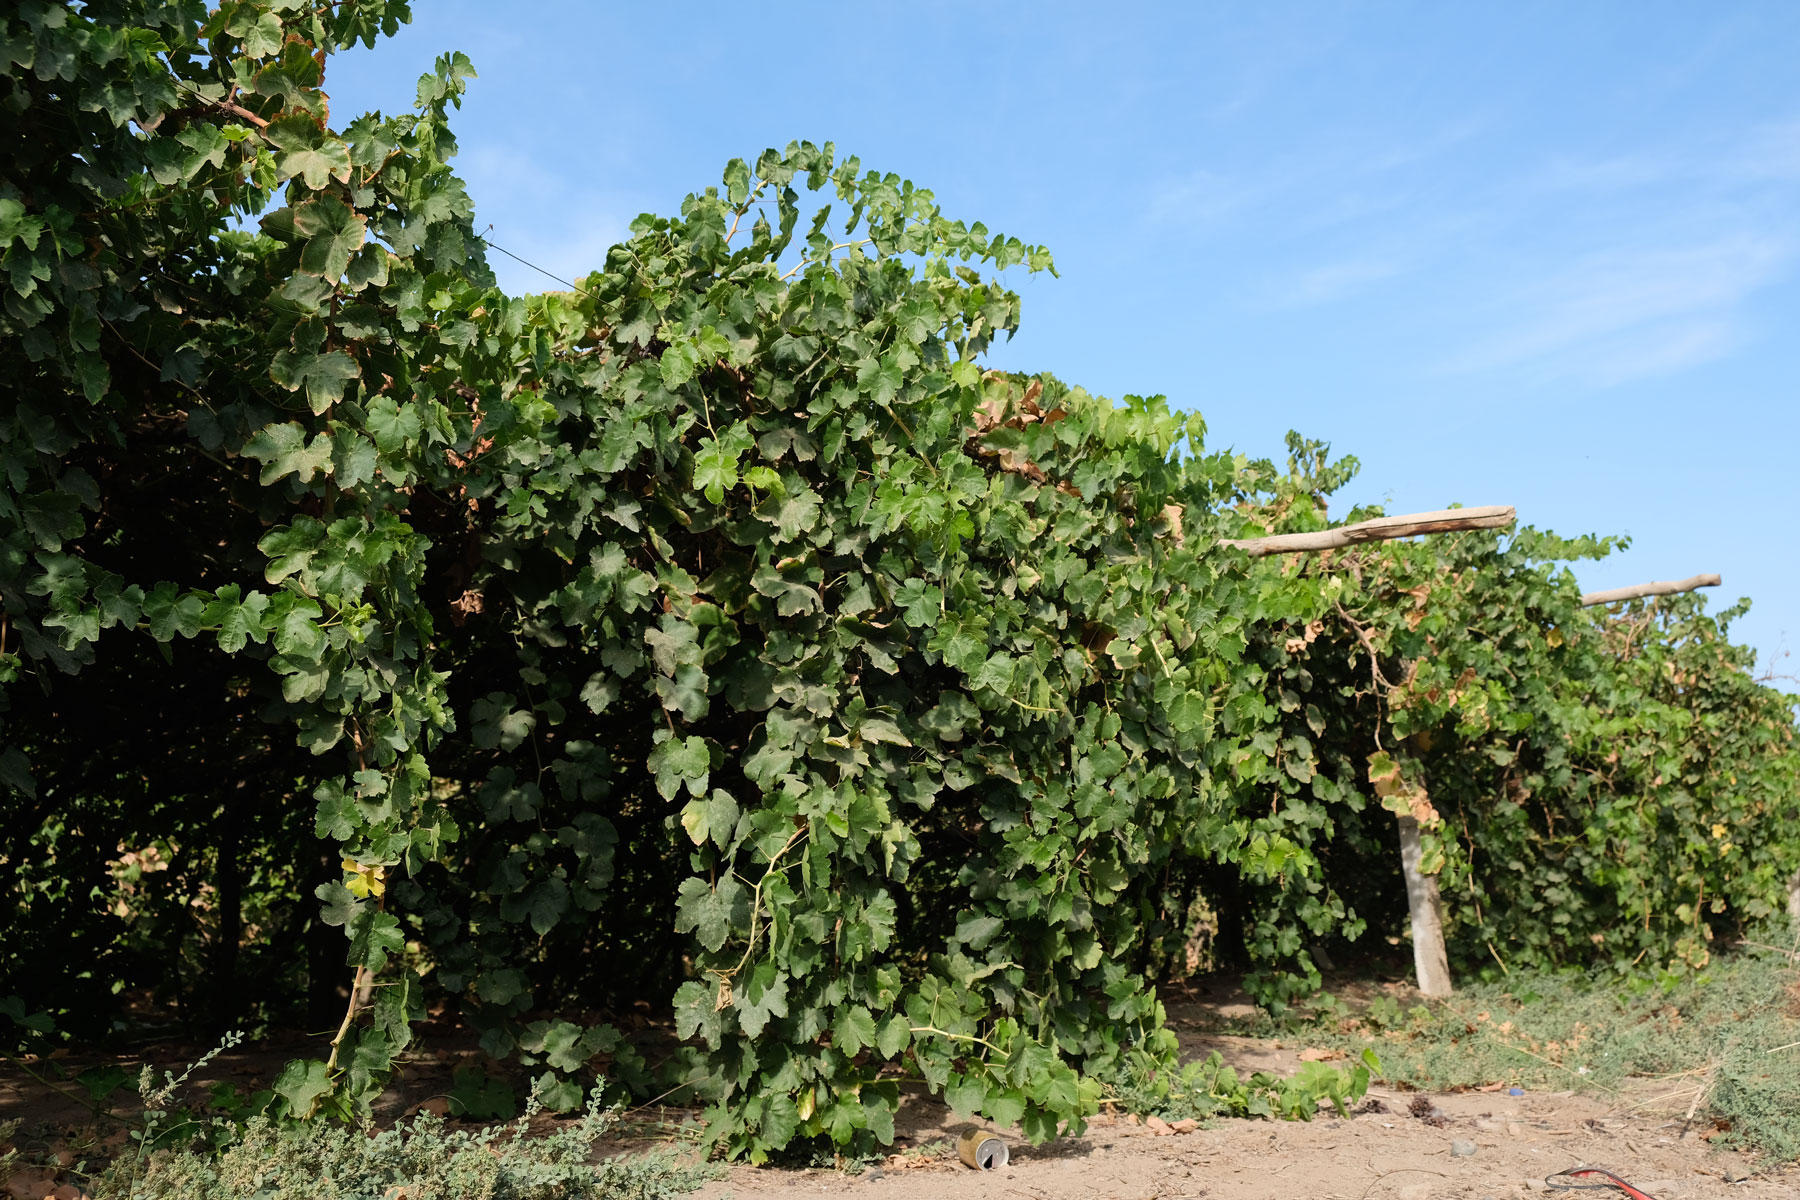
(1380, 1153)
(1371, 1156)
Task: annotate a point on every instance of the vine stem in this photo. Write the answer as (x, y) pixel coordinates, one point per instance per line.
(356, 987)
(756, 905)
(1362, 635)
(807, 262)
(1498, 959)
(356, 980)
(957, 1037)
(745, 207)
(911, 441)
(236, 110)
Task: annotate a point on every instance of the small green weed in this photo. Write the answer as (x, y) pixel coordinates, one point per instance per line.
(1206, 1089)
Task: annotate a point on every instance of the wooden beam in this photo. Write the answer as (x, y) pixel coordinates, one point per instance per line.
(1381, 529)
(1430, 961)
(1659, 588)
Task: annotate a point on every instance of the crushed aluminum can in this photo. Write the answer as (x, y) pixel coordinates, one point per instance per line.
(982, 1150)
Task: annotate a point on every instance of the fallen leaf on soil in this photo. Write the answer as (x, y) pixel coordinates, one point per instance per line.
(907, 1162)
(1312, 1055)
(30, 1187)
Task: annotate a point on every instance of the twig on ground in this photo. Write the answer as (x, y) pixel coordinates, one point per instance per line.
(1400, 1171)
(1699, 1096)
(1790, 955)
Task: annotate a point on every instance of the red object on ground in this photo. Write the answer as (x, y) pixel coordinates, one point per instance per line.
(1612, 1181)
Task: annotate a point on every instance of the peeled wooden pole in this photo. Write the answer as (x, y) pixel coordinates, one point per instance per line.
(1381, 529)
(1659, 588)
(1430, 960)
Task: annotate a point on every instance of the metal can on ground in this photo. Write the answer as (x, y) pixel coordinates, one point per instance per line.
(982, 1150)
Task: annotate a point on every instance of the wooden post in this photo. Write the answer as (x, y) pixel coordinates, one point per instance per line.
(1430, 961)
(1659, 588)
(1381, 529)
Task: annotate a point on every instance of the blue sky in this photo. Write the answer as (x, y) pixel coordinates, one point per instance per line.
(1535, 254)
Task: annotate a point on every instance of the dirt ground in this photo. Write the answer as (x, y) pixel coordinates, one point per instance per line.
(1382, 1152)
(1373, 1155)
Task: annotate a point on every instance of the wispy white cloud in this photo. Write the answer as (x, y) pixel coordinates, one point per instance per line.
(1627, 313)
(1770, 153)
(1349, 183)
(1613, 173)
(1330, 282)
(1665, 250)
(1202, 200)
(1360, 200)
(1429, 145)
(1662, 349)
(1608, 267)
(1764, 154)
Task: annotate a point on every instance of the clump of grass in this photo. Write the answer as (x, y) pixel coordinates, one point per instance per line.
(1721, 1045)
(181, 1154)
(421, 1159)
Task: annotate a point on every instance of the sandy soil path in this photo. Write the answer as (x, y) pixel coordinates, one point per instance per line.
(1374, 1155)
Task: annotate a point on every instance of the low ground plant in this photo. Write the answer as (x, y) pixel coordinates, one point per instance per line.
(221, 1145)
(1720, 1048)
(419, 1159)
(1144, 1086)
